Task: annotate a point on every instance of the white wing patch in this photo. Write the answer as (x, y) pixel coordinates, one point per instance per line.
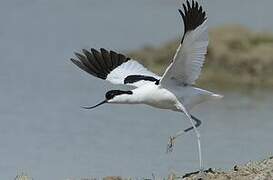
(189, 58)
(131, 67)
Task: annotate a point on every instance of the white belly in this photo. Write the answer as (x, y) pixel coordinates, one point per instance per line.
(156, 96)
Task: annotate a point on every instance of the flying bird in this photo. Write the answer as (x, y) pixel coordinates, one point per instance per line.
(175, 89)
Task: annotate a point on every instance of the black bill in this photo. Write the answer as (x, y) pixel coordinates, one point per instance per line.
(103, 102)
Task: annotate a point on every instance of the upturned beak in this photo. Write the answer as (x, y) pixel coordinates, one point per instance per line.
(92, 107)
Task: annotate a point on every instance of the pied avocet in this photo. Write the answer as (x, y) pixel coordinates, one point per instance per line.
(174, 90)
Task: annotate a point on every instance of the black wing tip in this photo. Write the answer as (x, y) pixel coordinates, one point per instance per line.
(103, 50)
(74, 60)
(193, 15)
(85, 52)
(94, 51)
(79, 55)
(100, 62)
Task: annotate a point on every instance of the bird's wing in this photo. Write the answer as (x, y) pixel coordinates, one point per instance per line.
(190, 55)
(114, 67)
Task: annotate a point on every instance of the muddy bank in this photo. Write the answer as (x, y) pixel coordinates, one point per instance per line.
(262, 170)
(236, 55)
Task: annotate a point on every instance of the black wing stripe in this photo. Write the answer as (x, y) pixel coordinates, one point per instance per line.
(99, 63)
(193, 16)
(135, 78)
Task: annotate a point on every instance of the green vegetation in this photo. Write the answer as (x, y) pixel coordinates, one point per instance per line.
(236, 56)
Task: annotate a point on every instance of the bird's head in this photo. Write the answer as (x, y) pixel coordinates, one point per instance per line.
(113, 96)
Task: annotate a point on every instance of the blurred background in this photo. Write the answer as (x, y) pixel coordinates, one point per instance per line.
(43, 130)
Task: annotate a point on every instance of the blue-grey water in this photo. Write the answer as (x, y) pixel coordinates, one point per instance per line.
(43, 130)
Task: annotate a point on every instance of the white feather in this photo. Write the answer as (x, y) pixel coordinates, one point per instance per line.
(189, 58)
(131, 67)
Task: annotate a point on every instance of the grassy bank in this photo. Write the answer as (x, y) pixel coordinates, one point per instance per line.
(236, 56)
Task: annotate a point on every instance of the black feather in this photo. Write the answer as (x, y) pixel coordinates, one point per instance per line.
(193, 16)
(114, 59)
(99, 64)
(106, 56)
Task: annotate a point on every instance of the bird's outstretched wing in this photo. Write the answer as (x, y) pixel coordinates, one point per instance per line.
(114, 67)
(190, 55)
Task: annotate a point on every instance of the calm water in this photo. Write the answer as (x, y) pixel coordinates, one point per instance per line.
(43, 130)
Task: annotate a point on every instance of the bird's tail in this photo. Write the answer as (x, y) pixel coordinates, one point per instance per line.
(216, 96)
(199, 96)
(209, 95)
